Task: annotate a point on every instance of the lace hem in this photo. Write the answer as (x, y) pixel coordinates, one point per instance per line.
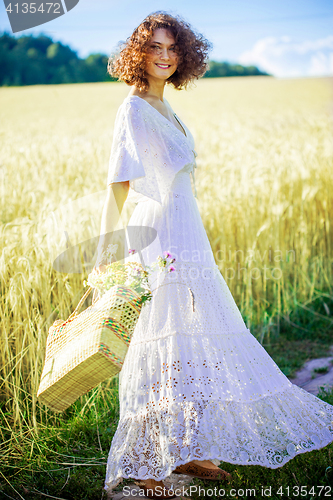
(268, 432)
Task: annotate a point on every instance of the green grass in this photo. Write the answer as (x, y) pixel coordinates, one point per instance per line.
(67, 455)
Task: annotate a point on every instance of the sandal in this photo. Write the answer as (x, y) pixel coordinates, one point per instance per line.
(150, 491)
(202, 472)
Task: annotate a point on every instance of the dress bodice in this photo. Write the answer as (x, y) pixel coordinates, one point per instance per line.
(149, 151)
(182, 182)
(181, 185)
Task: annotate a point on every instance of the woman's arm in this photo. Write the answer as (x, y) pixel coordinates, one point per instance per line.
(116, 197)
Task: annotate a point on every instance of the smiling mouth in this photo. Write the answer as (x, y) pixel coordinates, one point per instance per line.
(163, 66)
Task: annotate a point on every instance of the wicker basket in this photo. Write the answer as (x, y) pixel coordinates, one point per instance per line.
(88, 347)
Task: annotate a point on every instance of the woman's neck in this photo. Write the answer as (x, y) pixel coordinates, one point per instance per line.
(156, 89)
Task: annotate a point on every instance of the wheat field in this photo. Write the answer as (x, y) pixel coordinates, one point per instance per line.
(264, 183)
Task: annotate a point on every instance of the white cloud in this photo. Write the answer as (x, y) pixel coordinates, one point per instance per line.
(283, 57)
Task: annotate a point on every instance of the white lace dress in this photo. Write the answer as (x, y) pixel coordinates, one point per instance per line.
(195, 384)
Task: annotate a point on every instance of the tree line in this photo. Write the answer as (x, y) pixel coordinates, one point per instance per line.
(31, 60)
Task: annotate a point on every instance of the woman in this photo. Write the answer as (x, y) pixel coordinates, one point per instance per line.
(195, 385)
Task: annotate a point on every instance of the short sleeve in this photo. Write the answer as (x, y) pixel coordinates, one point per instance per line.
(125, 163)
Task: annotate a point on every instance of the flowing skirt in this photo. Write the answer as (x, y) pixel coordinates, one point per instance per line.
(196, 384)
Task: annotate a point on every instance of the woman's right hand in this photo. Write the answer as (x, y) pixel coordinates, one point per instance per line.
(97, 269)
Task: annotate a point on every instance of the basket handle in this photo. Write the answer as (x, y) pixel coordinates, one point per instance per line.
(179, 283)
(83, 298)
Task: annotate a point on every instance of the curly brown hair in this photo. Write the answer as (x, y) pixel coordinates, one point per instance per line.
(129, 64)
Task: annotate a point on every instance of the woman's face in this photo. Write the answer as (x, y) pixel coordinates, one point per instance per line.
(162, 55)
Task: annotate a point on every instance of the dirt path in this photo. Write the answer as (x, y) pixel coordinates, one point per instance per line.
(310, 379)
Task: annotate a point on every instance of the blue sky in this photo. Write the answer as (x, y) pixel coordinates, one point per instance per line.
(288, 39)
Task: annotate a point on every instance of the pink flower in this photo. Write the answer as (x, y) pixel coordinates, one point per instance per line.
(131, 250)
(171, 268)
(167, 254)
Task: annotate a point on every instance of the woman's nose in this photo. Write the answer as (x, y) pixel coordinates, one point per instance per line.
(165, 54)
